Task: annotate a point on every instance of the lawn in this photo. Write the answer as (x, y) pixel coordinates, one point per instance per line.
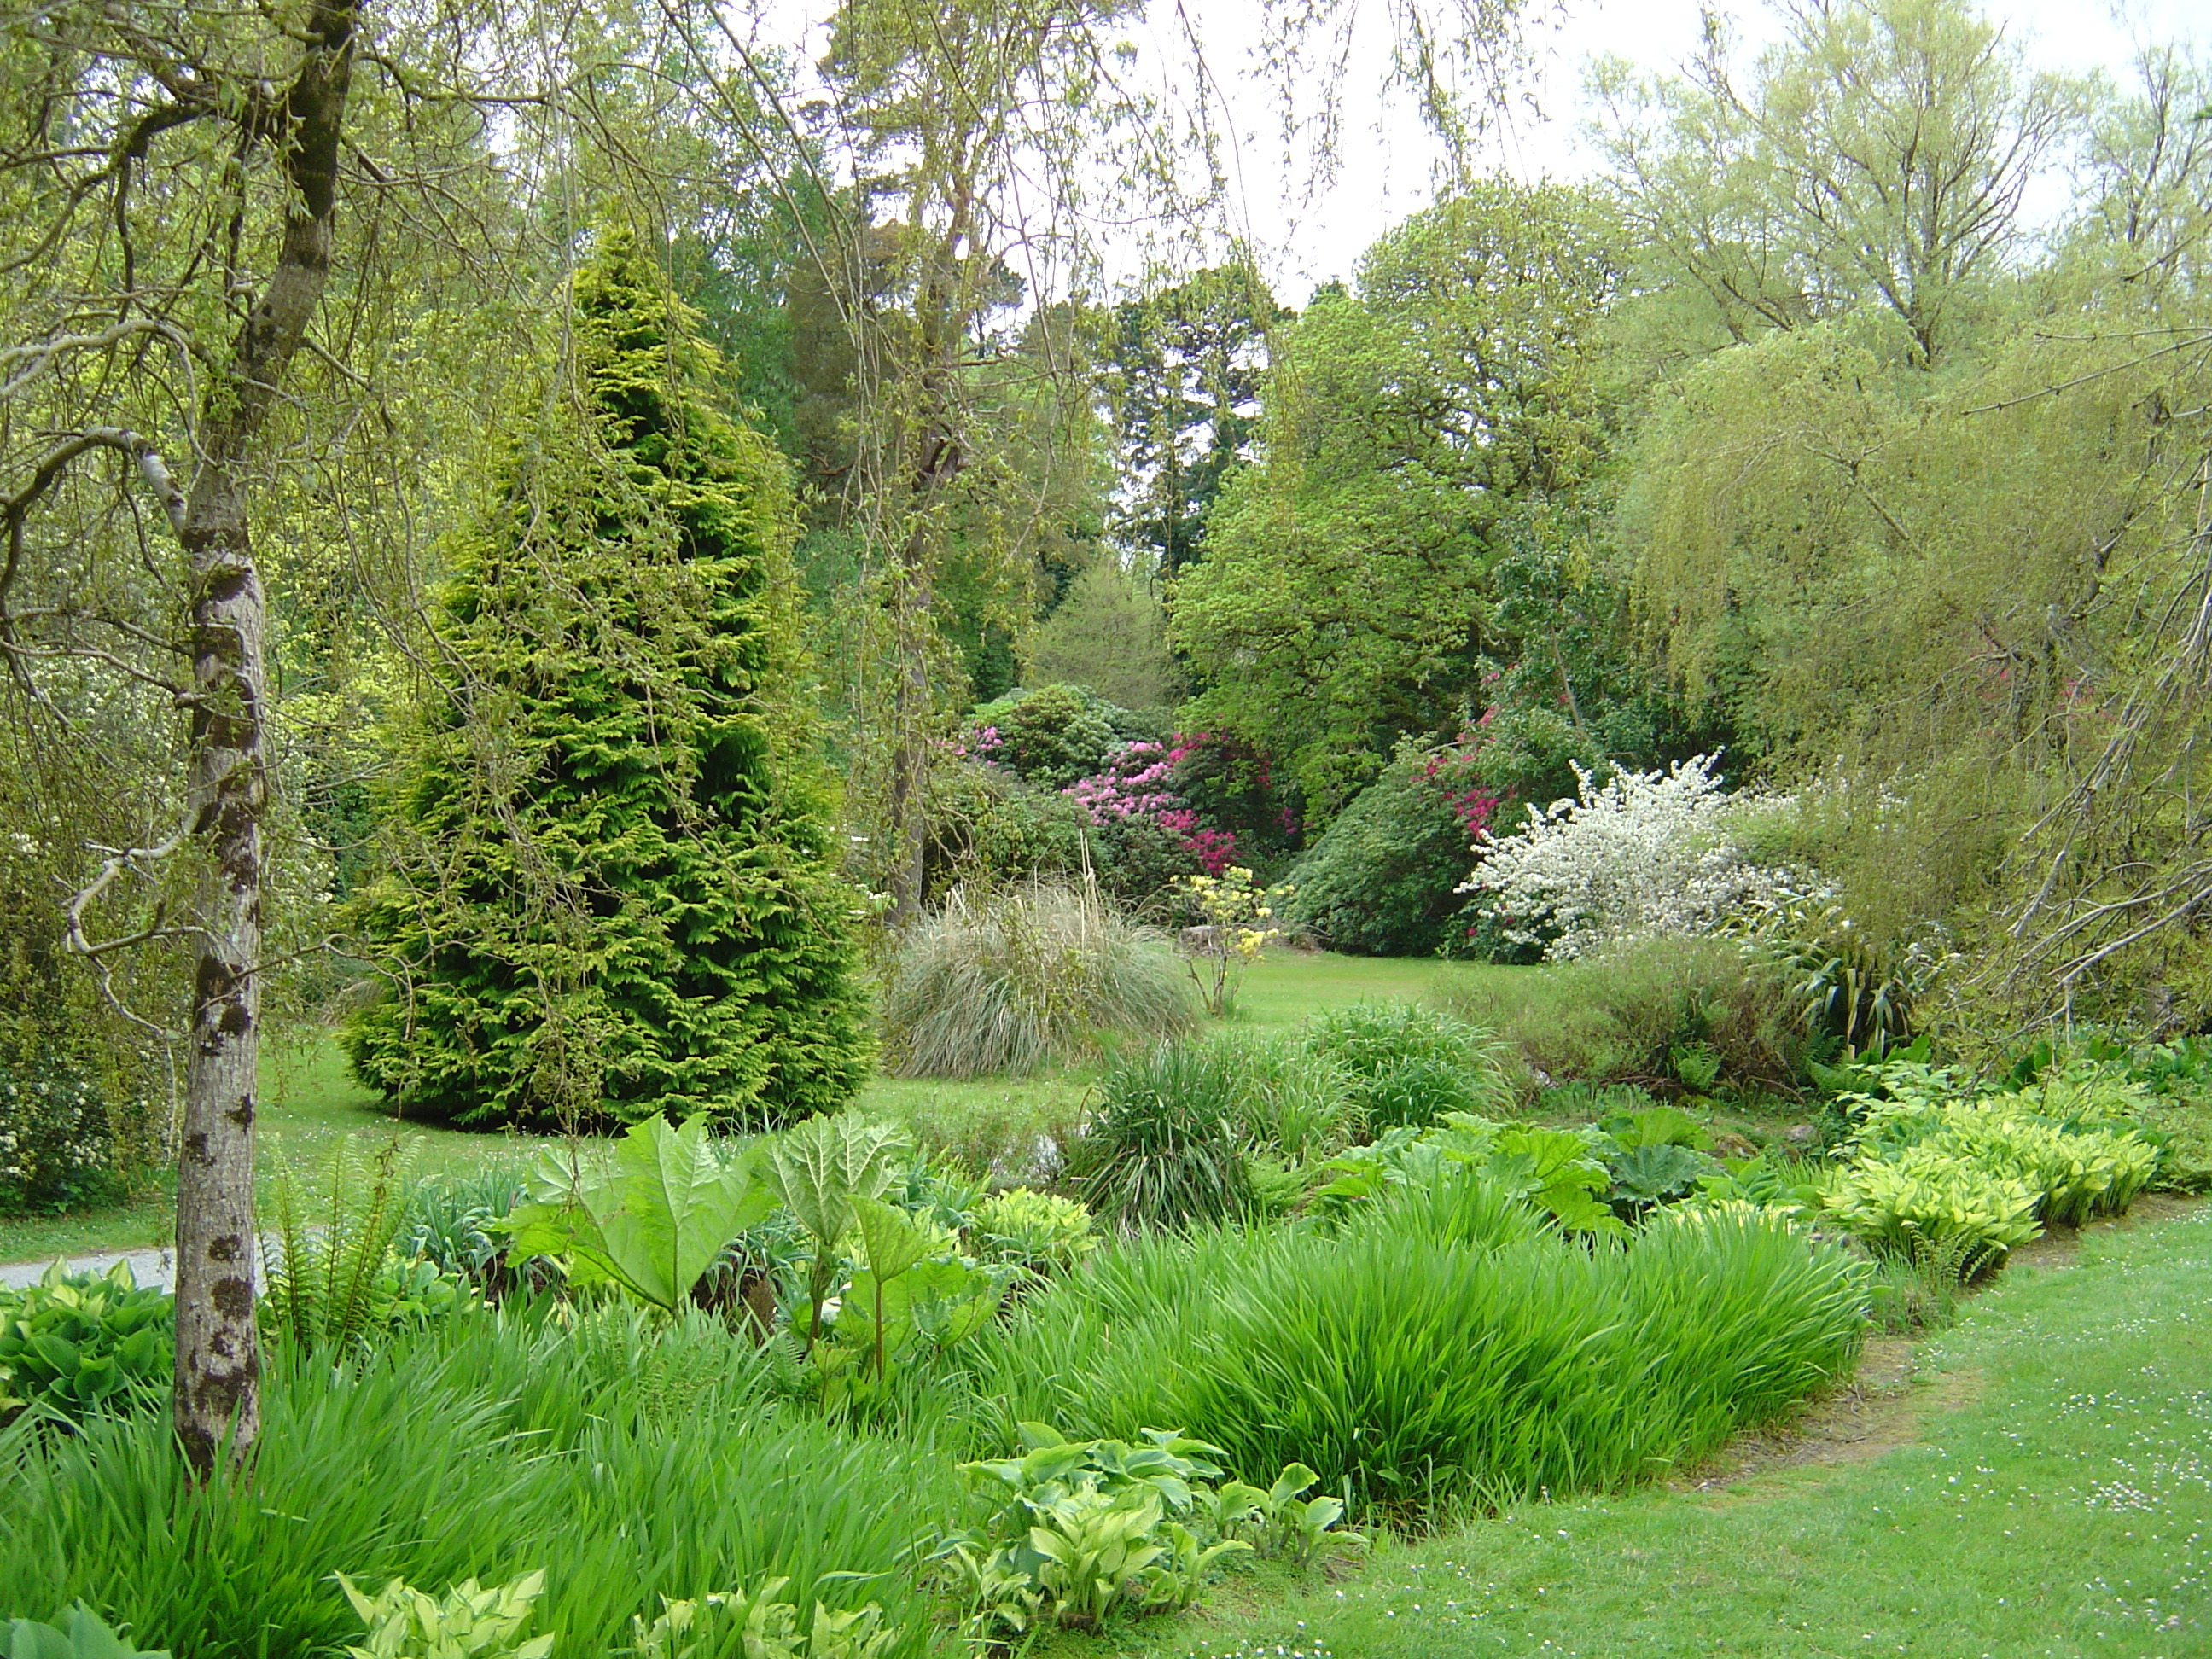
(2050, 1494)
(309, 1103)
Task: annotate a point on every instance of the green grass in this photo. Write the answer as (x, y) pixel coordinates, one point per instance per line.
(627, 1459)
(2056, 1503)
(1284, 987)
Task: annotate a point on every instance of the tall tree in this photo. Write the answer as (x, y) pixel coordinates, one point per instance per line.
(1341, 603)
(1879, 152)
(1182, 370)
(611, 893)
(115, 119)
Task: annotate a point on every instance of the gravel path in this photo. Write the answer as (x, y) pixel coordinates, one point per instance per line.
(149, 1266)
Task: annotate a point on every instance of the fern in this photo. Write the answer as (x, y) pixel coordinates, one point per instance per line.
(325, 1279)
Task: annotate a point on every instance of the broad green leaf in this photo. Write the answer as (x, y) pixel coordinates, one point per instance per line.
(891, 1240)
(654, 1222)
(818, 1168)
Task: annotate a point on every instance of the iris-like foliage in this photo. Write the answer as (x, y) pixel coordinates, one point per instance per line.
(1410, 1365)
(460, 1452)
(1165, 1149)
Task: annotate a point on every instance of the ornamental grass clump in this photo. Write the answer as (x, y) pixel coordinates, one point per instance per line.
(1014, 979)
(1409, 1065)
(1165, 1147)
(1435, 1357)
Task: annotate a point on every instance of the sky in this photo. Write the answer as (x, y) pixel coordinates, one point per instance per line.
(1305, 236)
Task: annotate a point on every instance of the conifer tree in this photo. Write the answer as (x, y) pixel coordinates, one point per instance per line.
(609, 890)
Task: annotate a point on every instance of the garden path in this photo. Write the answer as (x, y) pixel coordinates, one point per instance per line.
(148, 1267)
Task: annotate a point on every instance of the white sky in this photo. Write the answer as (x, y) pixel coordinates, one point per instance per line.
(1305, 238)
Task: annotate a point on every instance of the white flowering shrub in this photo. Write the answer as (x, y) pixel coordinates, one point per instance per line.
(1643, 853)
(56, 1140)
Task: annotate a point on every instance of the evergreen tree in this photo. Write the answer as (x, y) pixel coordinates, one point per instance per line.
(609, 890)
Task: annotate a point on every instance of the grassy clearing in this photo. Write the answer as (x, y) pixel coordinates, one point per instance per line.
(2056, 1503)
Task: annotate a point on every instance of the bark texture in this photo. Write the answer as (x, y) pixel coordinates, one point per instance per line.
(217, 1399)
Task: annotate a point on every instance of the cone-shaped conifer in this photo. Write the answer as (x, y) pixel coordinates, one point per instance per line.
(609, 890)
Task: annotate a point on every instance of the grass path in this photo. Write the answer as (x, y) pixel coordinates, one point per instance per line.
(2048, 1495)
(308, 1101)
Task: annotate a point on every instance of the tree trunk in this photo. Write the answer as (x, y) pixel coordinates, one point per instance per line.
(217, 1400)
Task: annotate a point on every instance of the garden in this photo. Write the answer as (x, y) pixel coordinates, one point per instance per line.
(775, 884)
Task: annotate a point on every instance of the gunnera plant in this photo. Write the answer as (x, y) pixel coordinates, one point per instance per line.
(1016, 978)
(1165, 1148)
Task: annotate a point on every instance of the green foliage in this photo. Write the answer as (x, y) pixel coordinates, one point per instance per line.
(1284, 1523)
(1622, 1017)
(1054, 735)
(1846, 985)
(1036, 1231)
(986, 826)
(75, 1344)
(766, 1628)
(821, 1171)
(1182, 370)
(331, 1275)
(609, 892)
(911, 1286)
(1413, 1368)
(1926, 1200)
(87, 1638)
(653, 1222)
(469, 1621)
(1013, 979)
(1331, 613)
(452, 1220)
(1938, 1170)
(1457, 1167)
(58, 1142)
(1291, 1100)
(1409, 1065)
(1107, 634)
(1381, 879)
(1084, 1529)
(1163, 1149)
(84, 1100)
(633, 1456)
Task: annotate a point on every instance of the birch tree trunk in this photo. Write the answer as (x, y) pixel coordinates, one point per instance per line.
(217, 1400)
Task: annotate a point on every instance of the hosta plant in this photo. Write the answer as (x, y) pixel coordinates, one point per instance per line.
(469, 1621)
(86, 1637)
(1087, 1529)
(77, 1344)
(1283, 1523)
(1928, 1199)
(1035, 1232)
(764, 1627)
